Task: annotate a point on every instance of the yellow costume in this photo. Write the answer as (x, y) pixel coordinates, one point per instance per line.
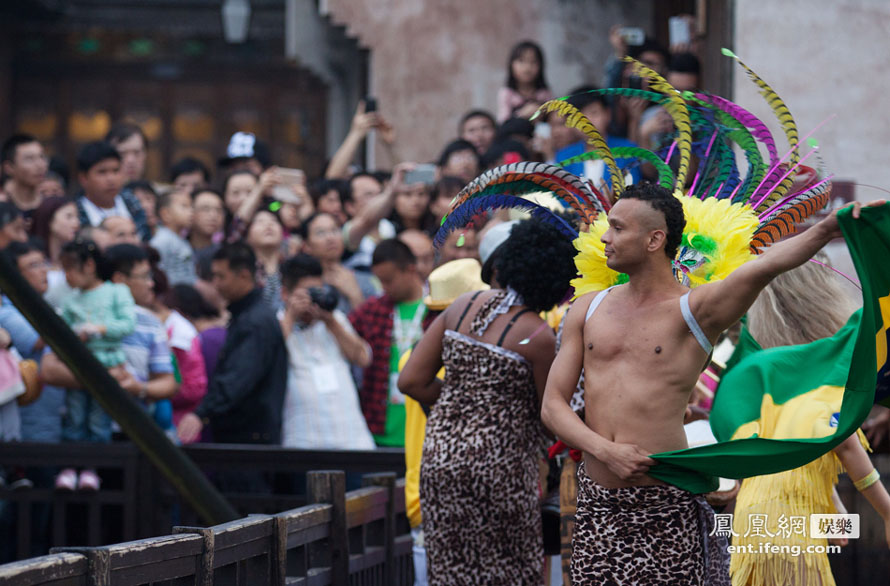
(783, 502)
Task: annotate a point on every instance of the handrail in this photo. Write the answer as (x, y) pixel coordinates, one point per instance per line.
(310, 544)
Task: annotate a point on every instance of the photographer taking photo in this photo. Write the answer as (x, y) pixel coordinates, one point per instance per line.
(321, 407)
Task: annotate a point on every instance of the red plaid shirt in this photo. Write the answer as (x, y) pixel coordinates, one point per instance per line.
(373, 321)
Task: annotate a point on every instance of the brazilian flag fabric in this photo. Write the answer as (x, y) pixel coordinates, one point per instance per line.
(808, 398)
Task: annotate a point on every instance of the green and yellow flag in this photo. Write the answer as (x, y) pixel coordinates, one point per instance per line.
(809, 397)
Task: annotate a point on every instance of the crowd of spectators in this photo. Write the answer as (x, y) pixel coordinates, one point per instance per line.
(240, 303)
(249, 303)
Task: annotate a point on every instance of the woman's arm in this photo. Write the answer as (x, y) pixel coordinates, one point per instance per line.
(418, 379)
(858, 465)
(362, 123)
(379, 207)
(249, 206)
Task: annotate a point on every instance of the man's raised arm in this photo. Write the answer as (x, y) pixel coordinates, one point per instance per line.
(718, 305)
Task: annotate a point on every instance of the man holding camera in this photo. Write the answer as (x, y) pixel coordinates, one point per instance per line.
(321, 408)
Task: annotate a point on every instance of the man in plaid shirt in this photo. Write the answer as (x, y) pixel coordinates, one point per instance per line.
(391, 324)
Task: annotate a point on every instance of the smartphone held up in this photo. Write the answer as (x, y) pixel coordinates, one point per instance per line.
(293, 182)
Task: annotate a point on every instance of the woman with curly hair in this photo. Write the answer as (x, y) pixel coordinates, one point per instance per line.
(479, 471)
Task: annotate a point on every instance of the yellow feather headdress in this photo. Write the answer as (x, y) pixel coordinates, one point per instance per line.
(716, 241)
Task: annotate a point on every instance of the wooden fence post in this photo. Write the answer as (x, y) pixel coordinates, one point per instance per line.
(98, 566)
(329, 487)
(205, 574)
(386, 480)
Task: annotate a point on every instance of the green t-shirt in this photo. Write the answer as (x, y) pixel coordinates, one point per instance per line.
(411, 316)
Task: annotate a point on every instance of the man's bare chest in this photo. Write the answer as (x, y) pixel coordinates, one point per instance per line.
(650, 336)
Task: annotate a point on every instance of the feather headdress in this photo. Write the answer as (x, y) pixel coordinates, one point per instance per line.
(729, 218)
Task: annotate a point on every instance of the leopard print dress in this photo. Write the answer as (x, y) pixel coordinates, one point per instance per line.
(478, 480)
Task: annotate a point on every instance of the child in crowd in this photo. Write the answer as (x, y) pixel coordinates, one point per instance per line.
(102, 314)
(186, 347)
(526, 87)
(177, 257)
(148, 199)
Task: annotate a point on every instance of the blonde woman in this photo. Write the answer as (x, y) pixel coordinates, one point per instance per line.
(784, 314)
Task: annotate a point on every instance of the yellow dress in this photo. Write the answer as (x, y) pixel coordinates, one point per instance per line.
(784, 502)
(415, 429)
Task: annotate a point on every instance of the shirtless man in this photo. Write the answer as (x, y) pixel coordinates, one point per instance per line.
(643, 358)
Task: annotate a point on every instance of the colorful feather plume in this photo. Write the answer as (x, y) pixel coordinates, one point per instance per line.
(728, 219)
(754, 124)
(527, 177)
(576, 119)
(462, 216)
(676, 107)
(716, 239)
(783, 221)
(665, 173)
(775, 102)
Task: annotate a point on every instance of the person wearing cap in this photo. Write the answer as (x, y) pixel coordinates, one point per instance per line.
(12, 225)
(489, 246)
(246, 152)
(446, 283)
(479, 473)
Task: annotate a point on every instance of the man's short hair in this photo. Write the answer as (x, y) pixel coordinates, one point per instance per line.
(348, 192)
(198, 191)
(189, 165)
(94, 153)
(662, 200)
(321, 188)
(9, 213)
(15, 249)
(306, 225)
(685, 63)
(649, 46)
(166, 198)
(581, 97)
(456, 146)
(121, 258)
(500, 148)
(121, 131)
(11, 145)
(297, 268)
(239, 255)
(476, 114)
(448, 185)
(395, 251)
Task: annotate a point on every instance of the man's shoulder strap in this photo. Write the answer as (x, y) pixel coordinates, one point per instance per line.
(596, 302)
(693, 324)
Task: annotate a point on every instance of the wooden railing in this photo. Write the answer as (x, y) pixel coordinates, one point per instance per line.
(136, 502)
(341, 537)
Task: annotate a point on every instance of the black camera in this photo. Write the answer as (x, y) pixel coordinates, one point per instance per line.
(325, 297)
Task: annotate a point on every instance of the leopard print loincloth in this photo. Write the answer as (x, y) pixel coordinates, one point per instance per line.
(645, 535)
